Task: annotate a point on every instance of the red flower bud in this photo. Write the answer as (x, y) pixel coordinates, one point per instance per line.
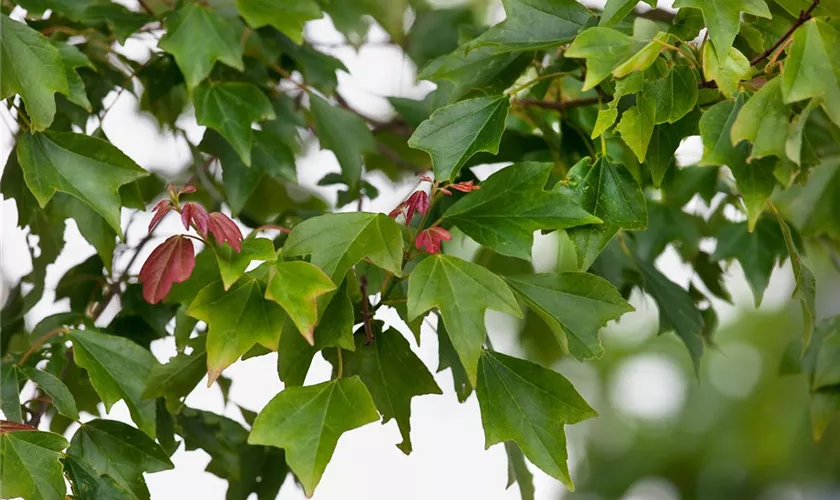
(465, 187)
(431, 238)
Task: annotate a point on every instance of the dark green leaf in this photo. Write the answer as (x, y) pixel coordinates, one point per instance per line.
(31, 465)
(10, 393)
(61, 396)
(723, 19)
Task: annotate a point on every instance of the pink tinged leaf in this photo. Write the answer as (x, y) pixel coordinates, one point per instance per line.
(161, 209)
(171, 262)
(431, 238)
(225, 231)
(195, 214)
(397, 211)
(465, 187)
(426, 178)
(418, 201)
(187, 189)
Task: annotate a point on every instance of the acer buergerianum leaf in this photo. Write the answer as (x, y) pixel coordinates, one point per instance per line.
(10, 393)
(674, 95)
(171, 262)
(608, 191)
(755, 180)
(763, 121)
(198, 37)
(609, 51)
(511, 205)
(392, 373)
(73, 58)
(61, 396)
(456, 132)
(448, 358)
(118, 369)
(31, 464)
(33, 69)
(723, 18)
(89, 484)
(806, 288)
(237, 319)
(535, 24)
(120, 451)
(469, 68)
(346, 135)
(664, 141)
(232, 264)
(677, 310)
(636, 124)
(796, 132)
(288, 16)
(812, 67)
(84, 167)
(616, 10)
(178, 377)
(296, 286)
(523, 402)
(726, 71)
(574, 305)
(338, 241)
(230, 108)
(307, 422)
(518, 471)
(462, 292)
(756, 251)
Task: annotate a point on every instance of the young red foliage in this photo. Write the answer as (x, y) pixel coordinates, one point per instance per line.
(225, 230)
(161, 209)
(431, 238)
(195, 214)
(417, 202)
(171, 262)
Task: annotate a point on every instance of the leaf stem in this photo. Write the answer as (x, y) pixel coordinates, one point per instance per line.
(40, 341)
(340, 363)
(531, 82)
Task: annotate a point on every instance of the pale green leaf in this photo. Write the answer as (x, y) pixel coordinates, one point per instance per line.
(636, 125)
(296, 286)
(726, 71)
(232, 264)
(763, 121)
(806, 288)
(535, 24)
(288, 16)
(723, 18)
(812, 67)
(616, 10)
(608, 51)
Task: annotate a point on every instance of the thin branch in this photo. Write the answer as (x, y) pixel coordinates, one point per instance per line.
(803, 16)
(39, 342)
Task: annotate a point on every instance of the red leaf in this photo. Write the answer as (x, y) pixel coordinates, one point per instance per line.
(465, 187)
(431, 238)
(225, 230)
(418, 201)
(195, 214)
(171, 262)
(161, 209)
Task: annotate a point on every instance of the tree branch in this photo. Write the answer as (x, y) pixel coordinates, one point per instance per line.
(803, 16)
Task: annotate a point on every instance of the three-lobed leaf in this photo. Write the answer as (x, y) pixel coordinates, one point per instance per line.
(288, 16)
(31, 465)
(296, 286)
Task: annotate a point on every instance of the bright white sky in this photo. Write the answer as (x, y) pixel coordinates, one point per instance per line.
(449, 460)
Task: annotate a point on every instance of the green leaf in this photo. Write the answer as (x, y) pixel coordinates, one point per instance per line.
(518, 471)
(726, 71)
(84, 167)
(469, 68)
(33, 69)
(636, 125)
(723, 18)
(756, 251)
(296, 286)
(448, 358)
(676, 309)
(338, 241)
(456, 132)
(755, 180)
(95, 229)
(535, 24)
(89, 484)
(664, 141)
(609, 192)
(574, 305)
(270, 157)
(238, 319)
(827, 366)
(392, 373)
(825, 406)
(675, 95)
(232, 264)
(608, 51)
(288, 16)
(73, 58)
(523, 402)
(198, 37)
(231, 108)
(511, 205)
(806, 288)
(118, 369)
(177, 378)
(31, 464)
(462, 292)
(812, 68)
(62, 398)
(307, 422)
(10, 393)
(763, 120)
(345, 134)
(616, 10)
(796, 132)
(120, 451)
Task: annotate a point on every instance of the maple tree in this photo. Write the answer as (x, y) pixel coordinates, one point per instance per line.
(586, 109)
